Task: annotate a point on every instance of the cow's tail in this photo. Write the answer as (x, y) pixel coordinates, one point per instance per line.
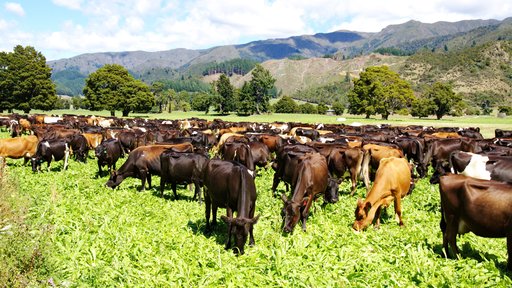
(365, 168)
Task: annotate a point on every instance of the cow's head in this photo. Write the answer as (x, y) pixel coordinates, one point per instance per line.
(241, 228)
(331, 192)
(361, 214)
(36, 163)
(114, 180)
(291, 213)
(441, 169)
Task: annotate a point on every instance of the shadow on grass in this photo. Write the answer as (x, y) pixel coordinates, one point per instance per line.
(219, 231)
(466, 251)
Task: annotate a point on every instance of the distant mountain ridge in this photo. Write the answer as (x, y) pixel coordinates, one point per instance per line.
(409, 36)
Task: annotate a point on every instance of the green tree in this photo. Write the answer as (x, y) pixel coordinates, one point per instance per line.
(112, 88)
(161, 96)
(338, 108)
(443, 97)
(226, 91)
(286, 105)
(246, 102)
(201, 102)
(308, 108)
(261, 84)
(322, 108)
(379, 90)
(25, 81)
(423, 107)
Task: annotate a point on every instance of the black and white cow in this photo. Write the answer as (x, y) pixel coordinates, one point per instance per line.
(48, 150)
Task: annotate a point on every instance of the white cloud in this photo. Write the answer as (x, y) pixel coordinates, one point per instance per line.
(71, 4)
(151, 25)
(14, 8)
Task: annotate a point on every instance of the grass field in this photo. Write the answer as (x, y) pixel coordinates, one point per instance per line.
(65, 228)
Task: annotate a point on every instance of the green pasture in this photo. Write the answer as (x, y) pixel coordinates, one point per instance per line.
(66, 229)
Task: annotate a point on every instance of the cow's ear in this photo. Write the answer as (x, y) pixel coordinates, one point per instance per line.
(226, 219)
(284, 198)
(367, 207)
(254, 220)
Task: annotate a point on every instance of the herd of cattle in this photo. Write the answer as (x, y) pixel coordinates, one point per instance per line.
(474, 174)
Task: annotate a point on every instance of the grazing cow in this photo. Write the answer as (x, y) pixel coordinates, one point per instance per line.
(341, 160)
(487, 167)
(285, 165)
(273, 142)
(107, 153)
(48, 150)
(19, 147)
(182, 168)
(310, 179)
(413, 148)
(260, 153)
(229, 185)
(392, 183)
(239, 152)
(79, 147)
(143, 162)
(475, 205)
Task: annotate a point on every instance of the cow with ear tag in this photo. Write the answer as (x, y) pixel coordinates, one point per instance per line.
(230, 185)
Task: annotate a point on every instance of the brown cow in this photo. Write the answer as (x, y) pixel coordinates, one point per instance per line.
(93, 139)
(310, 179)
(392, 183)
(373, 153)
(479, 206)
(143, 162)
(19, 147)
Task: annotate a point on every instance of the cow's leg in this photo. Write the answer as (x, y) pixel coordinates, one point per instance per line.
(173, 185)
(509, 251)
(66, 157)
(377, 217)
(143, 175)
(214, 214)
(197, 191)
(229, 214)
(208, 205)
(162, 186)
(99, 169)
(275, 182)
(149, 179)
(450, 237)
(398, 210)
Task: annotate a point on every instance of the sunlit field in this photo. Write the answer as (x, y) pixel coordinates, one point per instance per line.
(67, 229)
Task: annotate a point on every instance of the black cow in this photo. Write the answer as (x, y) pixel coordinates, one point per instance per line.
(79, 147)
(413, 148)
(48, 150)
(182, 168)
(230, 185)
(107, 153)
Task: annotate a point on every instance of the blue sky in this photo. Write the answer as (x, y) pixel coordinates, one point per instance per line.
(66, 28)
